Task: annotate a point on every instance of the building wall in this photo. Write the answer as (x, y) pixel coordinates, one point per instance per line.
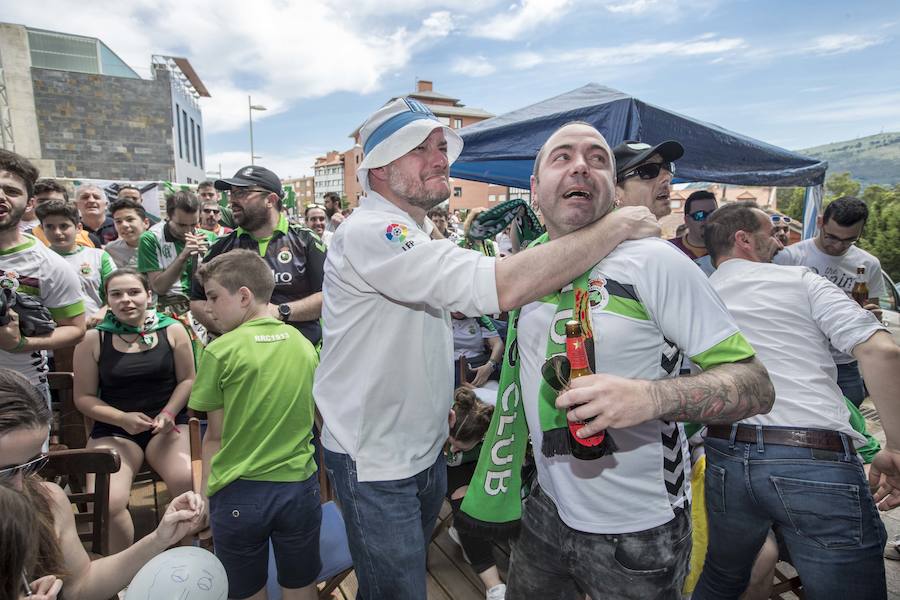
(15, 59)
(187, 132)
(97, 126)
(352, 190)
(329, 175)
(304, 189)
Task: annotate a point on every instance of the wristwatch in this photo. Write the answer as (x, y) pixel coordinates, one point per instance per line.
(493, 365)
(284, 312)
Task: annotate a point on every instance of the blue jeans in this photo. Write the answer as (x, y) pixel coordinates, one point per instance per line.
(819, 499)
(389, 525)
(851, 383)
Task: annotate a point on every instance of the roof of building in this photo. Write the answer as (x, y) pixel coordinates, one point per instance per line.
(191, 74)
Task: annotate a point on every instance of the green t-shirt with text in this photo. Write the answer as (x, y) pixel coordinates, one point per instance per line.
(261, 375)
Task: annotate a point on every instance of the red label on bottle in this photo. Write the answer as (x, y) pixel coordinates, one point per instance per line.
(576, 353)
(591, 440)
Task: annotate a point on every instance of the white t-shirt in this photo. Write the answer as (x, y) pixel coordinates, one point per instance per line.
(789, 314)
(469, 335)
(839, 270)
(384, 385)
(642, 296)
(33, 268)
(92, 266)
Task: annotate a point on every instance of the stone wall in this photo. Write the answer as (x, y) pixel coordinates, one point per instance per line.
(102, 127)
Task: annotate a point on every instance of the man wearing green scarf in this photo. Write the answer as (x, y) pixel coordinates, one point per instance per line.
(617, 526)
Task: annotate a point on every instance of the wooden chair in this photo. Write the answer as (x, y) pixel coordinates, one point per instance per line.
(78, 463)
(69, 425)
(204, 538)
(784, 584)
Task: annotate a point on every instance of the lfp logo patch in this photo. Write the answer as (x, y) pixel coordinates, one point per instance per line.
(396, 233)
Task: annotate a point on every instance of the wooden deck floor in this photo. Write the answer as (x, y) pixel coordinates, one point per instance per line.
(449, 576)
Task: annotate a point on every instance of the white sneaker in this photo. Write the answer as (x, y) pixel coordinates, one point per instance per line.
(498, 592)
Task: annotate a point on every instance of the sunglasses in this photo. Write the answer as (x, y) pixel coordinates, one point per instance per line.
(700, 215)
(26, 469)
(780, 219)
(557, 370)
(649, 171)
(210, 211)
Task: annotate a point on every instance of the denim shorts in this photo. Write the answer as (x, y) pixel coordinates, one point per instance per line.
(245, 515)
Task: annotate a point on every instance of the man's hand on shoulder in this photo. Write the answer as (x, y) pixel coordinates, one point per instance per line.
(634, 222)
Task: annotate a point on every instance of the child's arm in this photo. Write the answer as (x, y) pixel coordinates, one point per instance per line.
(184, 372)
(212, 441)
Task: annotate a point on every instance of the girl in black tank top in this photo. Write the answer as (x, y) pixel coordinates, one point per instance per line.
(133, 377)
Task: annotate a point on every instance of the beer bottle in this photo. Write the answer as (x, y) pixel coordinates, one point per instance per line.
(860, 290)
(598, 444)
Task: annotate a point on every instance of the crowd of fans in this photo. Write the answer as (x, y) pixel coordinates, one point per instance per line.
(723, 358)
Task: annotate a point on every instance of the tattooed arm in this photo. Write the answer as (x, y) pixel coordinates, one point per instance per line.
(725, 393)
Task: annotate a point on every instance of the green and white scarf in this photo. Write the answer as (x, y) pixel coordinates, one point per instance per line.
(493, 504)
(153, 321)
(490, 222)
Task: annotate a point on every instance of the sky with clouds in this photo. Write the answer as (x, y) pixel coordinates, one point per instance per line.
(795, 74)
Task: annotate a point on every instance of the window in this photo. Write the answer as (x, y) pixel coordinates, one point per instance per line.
(200, 145)
(457, 192)
(184, 124)
(193, 142)
(492, 198)
(457, 123)
(502, 197)
(178, 131)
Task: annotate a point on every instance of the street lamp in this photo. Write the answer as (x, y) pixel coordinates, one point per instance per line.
(250, 108)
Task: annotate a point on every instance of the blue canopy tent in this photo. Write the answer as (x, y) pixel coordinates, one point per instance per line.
(501, 150)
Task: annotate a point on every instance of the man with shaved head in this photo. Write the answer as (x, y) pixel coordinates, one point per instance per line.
(616, 525)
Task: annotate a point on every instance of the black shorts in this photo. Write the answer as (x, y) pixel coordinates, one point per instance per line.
(102, 430)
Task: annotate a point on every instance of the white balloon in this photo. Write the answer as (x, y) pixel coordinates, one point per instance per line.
(185, 573)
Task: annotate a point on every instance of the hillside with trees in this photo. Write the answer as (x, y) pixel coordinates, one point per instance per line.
(871, 160)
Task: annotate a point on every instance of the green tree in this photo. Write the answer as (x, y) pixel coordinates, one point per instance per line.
(789, 201)
(882, 234)
(840, 184)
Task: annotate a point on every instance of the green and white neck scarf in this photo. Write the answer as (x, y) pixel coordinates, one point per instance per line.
(490, 222)
(493, 504)
(153, 321)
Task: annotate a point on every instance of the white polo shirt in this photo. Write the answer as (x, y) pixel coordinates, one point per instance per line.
(789, 314)
(384, 385)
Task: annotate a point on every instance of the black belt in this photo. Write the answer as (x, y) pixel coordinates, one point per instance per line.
(820, 439)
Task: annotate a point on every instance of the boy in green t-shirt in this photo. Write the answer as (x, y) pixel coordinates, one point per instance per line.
(255, 383)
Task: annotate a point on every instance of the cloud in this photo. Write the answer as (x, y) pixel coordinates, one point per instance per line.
(521, 19)
(278, 52)
(840, 43)
(629, 54)
(880, 107)
(293, 164)
(474, 66)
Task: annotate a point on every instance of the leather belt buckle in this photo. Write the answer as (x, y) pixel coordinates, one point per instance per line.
(799, 437)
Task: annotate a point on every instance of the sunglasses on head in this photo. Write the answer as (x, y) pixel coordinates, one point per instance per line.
(649, 170)
(32, 466)
(780, 219)
(700, 215)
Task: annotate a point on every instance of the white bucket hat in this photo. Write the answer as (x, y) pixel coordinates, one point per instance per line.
(395, 129)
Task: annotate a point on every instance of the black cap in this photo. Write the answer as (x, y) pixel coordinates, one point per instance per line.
(630, 153)
(252, 175)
